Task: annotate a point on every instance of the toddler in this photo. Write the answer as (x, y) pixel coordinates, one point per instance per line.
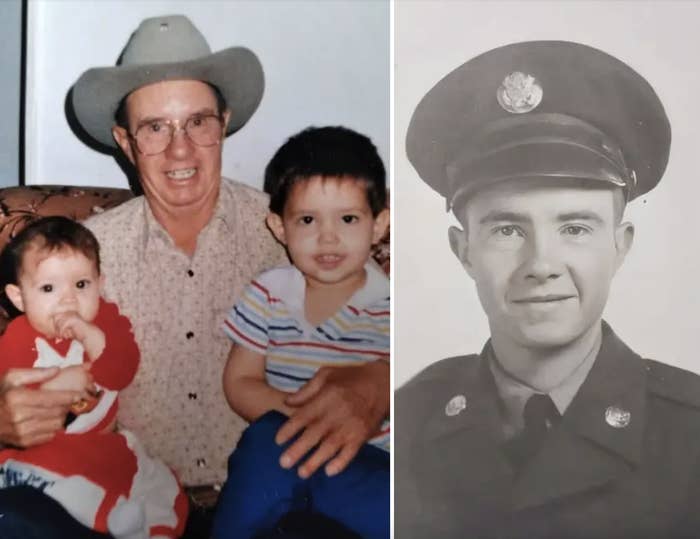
(330, 308)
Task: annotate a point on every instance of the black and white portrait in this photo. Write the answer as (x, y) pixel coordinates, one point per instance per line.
(544, 245)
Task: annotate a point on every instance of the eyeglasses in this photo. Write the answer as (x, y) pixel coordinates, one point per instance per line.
(155, 136)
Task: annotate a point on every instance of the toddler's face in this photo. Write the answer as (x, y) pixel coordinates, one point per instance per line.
(328, 228)
(51, 283)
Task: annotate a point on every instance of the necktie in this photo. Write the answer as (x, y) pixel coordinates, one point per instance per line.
(540, 415)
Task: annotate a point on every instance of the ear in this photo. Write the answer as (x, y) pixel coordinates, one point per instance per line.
(101, 283)
(624, 237)
(275, 224)
(121, 137)
(381, 223)
(460, 246)
(13, 292)
(226, 117)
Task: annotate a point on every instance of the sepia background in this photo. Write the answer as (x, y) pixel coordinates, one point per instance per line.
(654, 301)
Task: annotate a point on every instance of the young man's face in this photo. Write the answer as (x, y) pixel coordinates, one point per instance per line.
(542, 257)
(51, 283)
(328, 228)
(184, 175)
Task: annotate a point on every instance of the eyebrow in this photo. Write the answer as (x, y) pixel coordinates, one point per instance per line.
(515, 217)
(201, 112)
(502, 215)
(585, 215)
(346, 209)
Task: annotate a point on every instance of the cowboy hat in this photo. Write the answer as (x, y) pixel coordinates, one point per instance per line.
(167, 48)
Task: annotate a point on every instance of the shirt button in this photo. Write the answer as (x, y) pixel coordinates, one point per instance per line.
(190, 273)
(189, 335)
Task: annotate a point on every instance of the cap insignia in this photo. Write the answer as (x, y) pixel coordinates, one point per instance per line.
(519, 93)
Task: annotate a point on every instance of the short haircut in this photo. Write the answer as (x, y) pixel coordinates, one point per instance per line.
(121, 117)
(46, 234)
(619, 204)
(328, 152)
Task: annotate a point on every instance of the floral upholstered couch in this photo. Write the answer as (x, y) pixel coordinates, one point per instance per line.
(21, 205)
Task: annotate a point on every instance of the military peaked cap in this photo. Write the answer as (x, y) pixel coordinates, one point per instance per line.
(540, 109)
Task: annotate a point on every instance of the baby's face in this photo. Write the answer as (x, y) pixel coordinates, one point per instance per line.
(55, 282)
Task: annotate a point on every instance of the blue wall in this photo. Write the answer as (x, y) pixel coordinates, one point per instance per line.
(10, 65)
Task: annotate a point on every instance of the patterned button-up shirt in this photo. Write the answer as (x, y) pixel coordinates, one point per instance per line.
(176, 304)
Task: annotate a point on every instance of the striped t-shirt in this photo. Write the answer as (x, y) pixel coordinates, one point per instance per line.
(269, 319)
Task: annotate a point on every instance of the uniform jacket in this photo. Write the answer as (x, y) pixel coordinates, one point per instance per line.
(589, 480)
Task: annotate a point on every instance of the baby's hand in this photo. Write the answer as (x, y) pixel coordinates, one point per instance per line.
(73, 378)
(70, 325)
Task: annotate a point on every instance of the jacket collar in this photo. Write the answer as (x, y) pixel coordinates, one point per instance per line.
(594, 443)
(590, 447)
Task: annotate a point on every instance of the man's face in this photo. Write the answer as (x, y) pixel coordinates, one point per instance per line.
(328, 228)
(55, 282)
(542, 257)
(184, 175)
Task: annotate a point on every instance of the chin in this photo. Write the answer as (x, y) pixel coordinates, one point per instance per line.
(548, 335)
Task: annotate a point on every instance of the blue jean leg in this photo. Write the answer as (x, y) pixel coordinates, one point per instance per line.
(27, 513)
(359, 496)
(259, 492)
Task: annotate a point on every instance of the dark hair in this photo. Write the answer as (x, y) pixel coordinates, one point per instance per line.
(326, 152)
(47, 234)
(122, 120)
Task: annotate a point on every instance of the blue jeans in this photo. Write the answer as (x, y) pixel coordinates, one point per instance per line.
(259, 491)
(27, 513)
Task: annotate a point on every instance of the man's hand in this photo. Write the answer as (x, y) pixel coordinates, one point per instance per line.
(31, 416)
(75, 378)
(339, 409)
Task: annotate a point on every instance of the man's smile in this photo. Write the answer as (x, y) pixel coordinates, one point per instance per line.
(181, 174)
(548, 298)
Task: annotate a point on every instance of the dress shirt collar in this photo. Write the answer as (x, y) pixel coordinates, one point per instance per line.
(515, 393)
(155, 235)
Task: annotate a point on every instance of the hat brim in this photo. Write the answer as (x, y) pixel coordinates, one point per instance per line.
(235, 71)
(545, 145)
(544, 160)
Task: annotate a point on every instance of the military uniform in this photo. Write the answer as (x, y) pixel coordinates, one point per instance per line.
(597, 475)
(623, 461)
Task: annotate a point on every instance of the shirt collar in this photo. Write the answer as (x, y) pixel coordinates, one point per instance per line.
(376, 288)
(155, 235)
(292, 290)
(514, 393)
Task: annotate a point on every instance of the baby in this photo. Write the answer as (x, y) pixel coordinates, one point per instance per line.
(104, 479)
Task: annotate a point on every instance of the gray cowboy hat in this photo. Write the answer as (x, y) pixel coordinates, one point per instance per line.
(167, 48)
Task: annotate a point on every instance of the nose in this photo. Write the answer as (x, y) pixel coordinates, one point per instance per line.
(328, 233)
(542, 262)
(68, 297)
(180, 146)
